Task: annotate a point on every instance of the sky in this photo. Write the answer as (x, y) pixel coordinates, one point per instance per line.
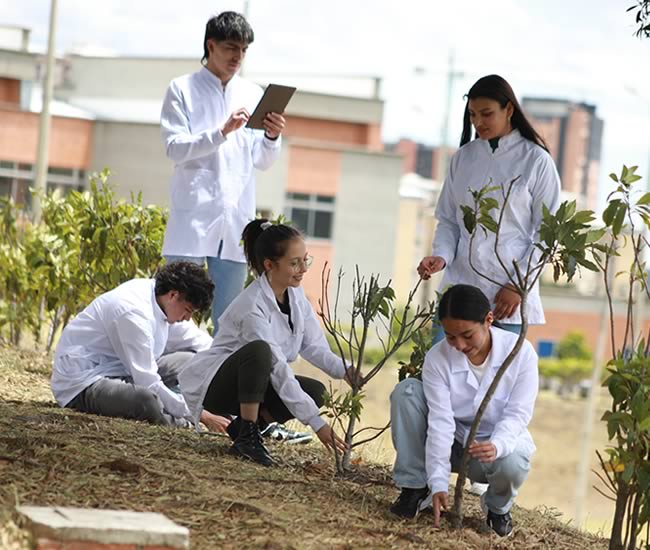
(581, 50)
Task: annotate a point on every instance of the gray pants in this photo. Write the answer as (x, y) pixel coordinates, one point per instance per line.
(408, 415)
(120, 397)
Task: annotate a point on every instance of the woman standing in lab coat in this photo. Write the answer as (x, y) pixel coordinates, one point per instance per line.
(436, 414)
(246, 372)
(505, 147)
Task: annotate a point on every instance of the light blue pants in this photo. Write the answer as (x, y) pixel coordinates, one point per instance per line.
(408, 416)
(228, 278)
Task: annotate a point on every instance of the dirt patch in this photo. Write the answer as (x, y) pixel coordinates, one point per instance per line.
(53, 456)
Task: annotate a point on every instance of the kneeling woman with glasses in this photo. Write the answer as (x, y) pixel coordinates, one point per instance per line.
(246, 372)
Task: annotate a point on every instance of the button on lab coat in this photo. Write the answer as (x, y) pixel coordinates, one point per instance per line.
(255, 315)
(213, 185)
(122, 333)
(454, 395)
(474, 166)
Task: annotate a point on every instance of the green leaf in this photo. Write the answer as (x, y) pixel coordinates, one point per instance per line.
(645, 199)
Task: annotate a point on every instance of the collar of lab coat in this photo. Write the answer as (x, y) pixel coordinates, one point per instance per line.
(270, 295)
(500, 350)
(505, 143)
(159, 314)
(215, 81)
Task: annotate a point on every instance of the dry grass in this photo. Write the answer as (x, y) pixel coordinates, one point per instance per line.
(52, 456)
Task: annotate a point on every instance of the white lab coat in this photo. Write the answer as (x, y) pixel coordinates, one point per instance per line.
(122, 333)
(213, 185)
(255, 315)
(474, 166)
(454, 395)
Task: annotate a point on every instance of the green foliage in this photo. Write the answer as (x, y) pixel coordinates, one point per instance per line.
(628, 426)
(626, 469)
(87, 243)
(573, 346)
(564, 239)
(412, 368)
(642, 17)
(373, 309)
(342, 405)
(571, 370)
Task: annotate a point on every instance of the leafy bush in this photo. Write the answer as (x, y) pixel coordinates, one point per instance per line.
(573, 346)
(87, 243)
(568, 370)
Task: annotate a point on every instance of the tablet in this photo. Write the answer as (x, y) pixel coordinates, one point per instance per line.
(275, 100)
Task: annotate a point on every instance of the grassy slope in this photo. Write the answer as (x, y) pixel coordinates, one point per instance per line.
(58, 457)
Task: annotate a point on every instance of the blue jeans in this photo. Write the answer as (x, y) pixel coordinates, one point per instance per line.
(439, 334)
(409, 423)
(228, 278)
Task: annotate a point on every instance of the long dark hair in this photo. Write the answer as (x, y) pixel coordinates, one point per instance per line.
(264, 240)
(464, 302)
(497, 88)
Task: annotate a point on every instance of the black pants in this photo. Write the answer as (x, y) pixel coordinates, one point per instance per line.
(245, 378)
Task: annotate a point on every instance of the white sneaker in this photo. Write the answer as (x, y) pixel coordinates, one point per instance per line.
(477, 488)
(279, 432)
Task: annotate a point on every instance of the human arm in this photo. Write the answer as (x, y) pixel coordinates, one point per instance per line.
(447, 233)
(267, 144)
(439, 503)
(518, 410)
(314, 347)
(214, 422)
(441, 425)
(186, 336)
(181, 144)
(131, 338)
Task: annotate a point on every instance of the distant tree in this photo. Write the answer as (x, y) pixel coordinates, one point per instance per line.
(573, 346)
(642, 17)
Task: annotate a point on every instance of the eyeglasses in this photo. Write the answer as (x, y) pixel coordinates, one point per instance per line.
(298, 264)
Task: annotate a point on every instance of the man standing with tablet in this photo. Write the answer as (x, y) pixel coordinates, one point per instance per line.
(203, 121)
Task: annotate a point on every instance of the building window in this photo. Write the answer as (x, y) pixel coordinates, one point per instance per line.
(312, 214)
(17, 178)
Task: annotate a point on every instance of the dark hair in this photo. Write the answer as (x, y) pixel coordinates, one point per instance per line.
(266, 243)
(189, 279)
(464, 302)
(495, 87)
(228, 25)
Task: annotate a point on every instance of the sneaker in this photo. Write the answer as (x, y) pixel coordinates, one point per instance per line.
(249, 444)
(477, 489)
(279, 432)
(410, 502)
(501, 524)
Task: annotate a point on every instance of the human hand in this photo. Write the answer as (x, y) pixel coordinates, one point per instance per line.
(214, 422)
(329, 438)
(483, 451)
(439, 503)
(506, 302)
(235, 121)
(430, 265)
(273, 125)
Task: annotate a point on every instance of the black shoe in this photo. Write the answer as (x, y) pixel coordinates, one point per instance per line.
(249, 444)
(501, 523)
(410, 502)
(233, 428)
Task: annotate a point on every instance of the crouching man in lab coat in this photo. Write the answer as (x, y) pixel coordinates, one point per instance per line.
(121, 356)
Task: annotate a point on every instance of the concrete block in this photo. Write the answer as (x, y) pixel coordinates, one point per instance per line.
(72, 527)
